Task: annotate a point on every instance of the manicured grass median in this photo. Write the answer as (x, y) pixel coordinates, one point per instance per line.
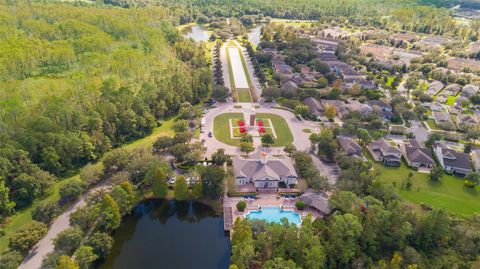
(449, 193)
(244, 95)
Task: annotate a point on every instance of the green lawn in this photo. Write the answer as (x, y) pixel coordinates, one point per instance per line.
(284, 135)
(449, 193)
(222, 133)
(221, 128)
(244, 95)
(23, 216)
(432, 125)
(450, 100)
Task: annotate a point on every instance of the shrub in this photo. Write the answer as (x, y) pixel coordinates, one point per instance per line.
(469, 184)
(92, 174)
(46, 212)
(300, 205)
(72, 190)
(11, 259)
(241, 206)
(27, 236)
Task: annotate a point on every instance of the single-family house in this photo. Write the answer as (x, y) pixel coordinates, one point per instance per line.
(264, 172)
(417, 156)
(455, 109)
(315, 108)
(355, 105)
(382, 151)
(452, 161)
(442, 118)
(466, 120)
(350, 147)
(340, 106)
(434, 88)
(452, 89)
(289, 88)
(469, 90)
(436, 106)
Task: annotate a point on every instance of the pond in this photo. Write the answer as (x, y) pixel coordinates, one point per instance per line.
(169, 234)
(196, 32)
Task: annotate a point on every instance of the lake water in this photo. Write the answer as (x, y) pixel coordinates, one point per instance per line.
(197, 33)
(169, 234)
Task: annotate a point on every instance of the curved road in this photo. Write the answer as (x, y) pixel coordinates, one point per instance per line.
(300, 138)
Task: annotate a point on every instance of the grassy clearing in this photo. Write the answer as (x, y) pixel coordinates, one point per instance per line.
(23, 216)
(284, 135)
(449, 193)
(244, 95)
(221, 128)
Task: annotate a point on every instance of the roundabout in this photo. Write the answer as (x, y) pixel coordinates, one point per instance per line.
(223, 123)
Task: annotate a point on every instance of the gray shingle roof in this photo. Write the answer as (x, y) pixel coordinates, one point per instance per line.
(349, 145)
(317, 200)
(253, 168)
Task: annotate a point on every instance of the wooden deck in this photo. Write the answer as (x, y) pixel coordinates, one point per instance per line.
(227, 217)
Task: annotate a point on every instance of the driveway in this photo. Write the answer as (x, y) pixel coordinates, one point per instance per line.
(421, 134)
(330, 171)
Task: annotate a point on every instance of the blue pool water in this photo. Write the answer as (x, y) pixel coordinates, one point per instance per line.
(274, 214)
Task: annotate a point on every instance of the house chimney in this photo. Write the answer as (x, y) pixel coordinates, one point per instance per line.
(263, 156)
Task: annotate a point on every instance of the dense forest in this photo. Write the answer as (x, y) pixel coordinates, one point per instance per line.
(76, 81)
(300, 9)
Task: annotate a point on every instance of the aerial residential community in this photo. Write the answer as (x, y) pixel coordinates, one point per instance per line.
(239, 134)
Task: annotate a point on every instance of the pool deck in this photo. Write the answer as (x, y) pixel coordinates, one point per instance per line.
(231, 212)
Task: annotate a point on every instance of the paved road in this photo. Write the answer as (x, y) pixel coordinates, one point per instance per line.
(300, 138)
(421, 134)
(34, 259)
(330, 171)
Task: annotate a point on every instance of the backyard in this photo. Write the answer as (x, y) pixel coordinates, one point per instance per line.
(449, 193)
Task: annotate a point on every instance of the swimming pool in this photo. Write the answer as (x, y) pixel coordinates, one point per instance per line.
(274, 214)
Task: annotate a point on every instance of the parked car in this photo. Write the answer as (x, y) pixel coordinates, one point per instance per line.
(172, 180)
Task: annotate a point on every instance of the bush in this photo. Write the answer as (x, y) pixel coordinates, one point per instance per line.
(46, 212)
(72, 190)
(469, 184)
(92, 174)
(300, 205)
(241, 206)
(11, 259)
(27, 236)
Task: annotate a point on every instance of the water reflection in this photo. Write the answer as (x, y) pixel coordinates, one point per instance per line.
(170, 234)
(196, 32)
